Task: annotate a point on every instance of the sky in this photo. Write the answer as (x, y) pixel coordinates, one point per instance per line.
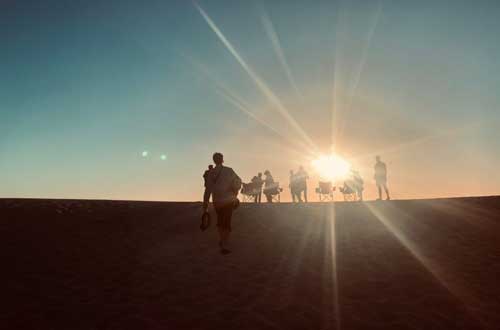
(129, 99)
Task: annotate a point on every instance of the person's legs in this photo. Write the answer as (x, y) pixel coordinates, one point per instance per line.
(386, 191)
(379, 191)
(224, 215)
(269, 198)
(227, 223)
(305, 194)
(220, 229)
(256, 198)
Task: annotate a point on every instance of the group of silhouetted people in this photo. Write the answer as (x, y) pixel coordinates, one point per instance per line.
(267, 186)
(223, 184)
(353, 185)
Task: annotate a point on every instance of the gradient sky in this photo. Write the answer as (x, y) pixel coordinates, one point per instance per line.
(87, 86)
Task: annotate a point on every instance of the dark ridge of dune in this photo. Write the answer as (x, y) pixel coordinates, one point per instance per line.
(414, 264)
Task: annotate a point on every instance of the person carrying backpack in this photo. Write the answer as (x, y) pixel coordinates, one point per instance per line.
(223, 184)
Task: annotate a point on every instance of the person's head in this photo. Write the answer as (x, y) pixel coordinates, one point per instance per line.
(377, 158)
(218, 158)
(291, 172)
(259, 175)
(210, 166)
(266, 172)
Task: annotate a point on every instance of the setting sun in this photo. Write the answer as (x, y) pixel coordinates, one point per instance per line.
(331, 167)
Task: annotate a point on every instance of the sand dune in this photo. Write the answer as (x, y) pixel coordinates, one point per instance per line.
(428, 264)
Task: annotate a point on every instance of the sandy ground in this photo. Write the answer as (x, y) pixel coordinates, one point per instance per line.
(430, 264)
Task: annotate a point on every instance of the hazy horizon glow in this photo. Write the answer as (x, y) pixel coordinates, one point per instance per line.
(128, 100)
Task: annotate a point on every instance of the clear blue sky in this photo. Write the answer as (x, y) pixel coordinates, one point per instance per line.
(87, 86)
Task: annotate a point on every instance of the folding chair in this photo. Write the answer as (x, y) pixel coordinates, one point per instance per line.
(273, 192)
(348, 192)
(325, 191)
(248, 192)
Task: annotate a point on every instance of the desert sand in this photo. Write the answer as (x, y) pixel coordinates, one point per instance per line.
(426, 264)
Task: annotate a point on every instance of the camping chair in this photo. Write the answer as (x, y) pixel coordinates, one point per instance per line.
(348, 192)
(325, 191)
(274, 192)
(248, 192)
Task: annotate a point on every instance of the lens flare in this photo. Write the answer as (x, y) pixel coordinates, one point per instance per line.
(145, 153)
(258, 81)
(331, 167)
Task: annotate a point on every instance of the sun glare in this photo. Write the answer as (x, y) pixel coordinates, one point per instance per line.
(331, 167)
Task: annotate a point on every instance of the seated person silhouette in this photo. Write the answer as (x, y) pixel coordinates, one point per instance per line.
(270, 187)
(358, 184)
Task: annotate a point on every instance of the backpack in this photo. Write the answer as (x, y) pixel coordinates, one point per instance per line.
(236, 184)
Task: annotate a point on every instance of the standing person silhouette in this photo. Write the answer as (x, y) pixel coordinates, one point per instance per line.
(269, 186)
(293, 187)
(223, 184)
(302, 177)
(258, 182)
(381, 178)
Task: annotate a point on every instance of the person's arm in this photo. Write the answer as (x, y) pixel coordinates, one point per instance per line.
(206, 197)
(208, 192)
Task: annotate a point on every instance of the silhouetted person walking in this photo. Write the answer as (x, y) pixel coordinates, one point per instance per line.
(302, 177)
(381, 177)
(223, 184)
(205, 175)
